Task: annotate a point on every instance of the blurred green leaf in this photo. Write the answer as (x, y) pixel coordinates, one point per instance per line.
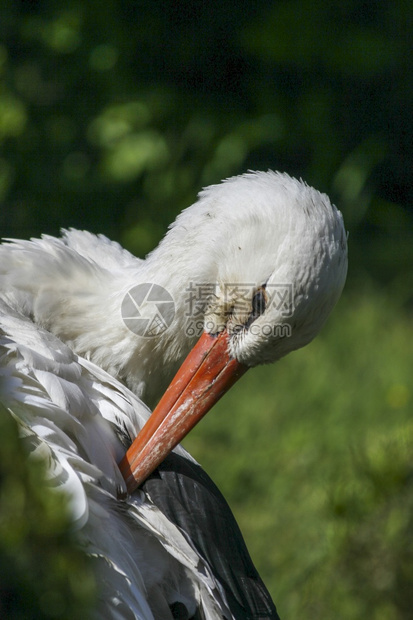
(43, 574)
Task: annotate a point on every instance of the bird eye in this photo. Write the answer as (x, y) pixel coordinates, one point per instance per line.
(258, 302)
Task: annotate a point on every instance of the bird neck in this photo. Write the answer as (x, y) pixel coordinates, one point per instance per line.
(167, 298)
(136, 324)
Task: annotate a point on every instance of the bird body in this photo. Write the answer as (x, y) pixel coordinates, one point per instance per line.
(79, 420)
(76, 377)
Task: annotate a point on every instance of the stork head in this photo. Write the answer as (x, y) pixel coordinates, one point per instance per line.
(275, 251)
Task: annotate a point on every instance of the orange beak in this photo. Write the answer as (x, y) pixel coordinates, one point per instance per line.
(206, 374)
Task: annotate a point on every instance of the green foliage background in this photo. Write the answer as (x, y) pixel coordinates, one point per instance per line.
(112, 116)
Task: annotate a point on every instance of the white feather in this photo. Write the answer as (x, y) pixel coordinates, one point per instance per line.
(68, 410)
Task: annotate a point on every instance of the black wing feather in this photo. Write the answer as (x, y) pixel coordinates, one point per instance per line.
(189, 498)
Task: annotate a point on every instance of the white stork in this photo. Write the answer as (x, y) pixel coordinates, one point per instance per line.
(78, 373)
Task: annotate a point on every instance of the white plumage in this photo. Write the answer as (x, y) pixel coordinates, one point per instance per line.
(76, 378)
(80, 420)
